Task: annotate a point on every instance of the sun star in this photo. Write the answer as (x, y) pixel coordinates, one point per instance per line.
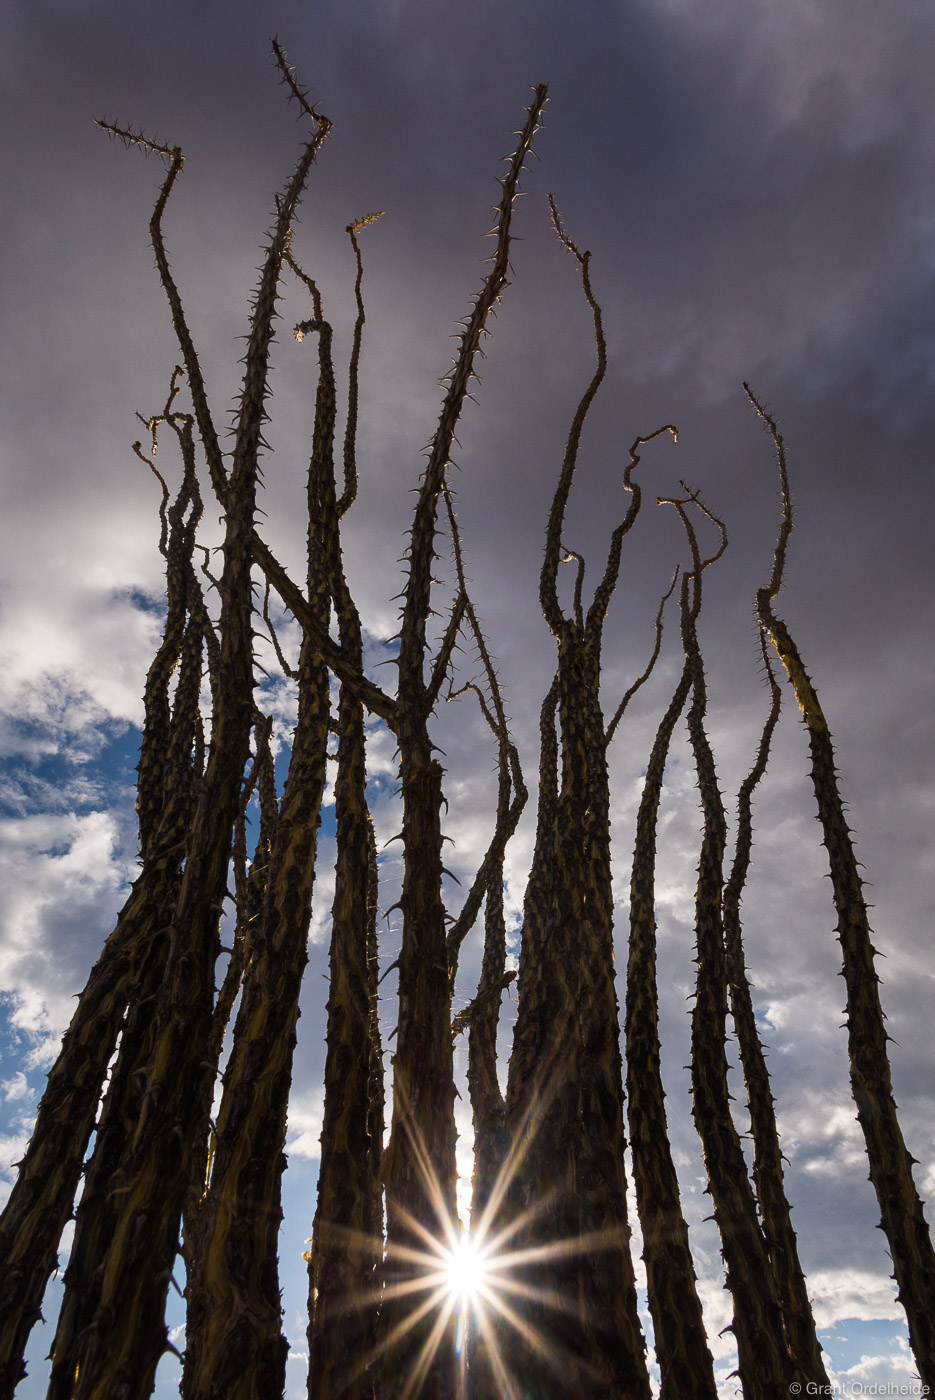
(466, 1271)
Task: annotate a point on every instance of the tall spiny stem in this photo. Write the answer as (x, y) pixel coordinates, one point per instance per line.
(772, 1201)
(124, 1344)
(902, 1218)
(512, 792)
(565, 1091)
(766, 1369)
(178, 786)
(237, 1348)
(347, 1238)
(481, 1016)
(42, 1197)
(419, 1168)
(685, 1364)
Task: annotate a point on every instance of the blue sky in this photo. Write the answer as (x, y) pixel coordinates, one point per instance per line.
(756, 186)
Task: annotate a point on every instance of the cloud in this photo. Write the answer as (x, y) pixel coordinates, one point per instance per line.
(15, 1088)
(840, 1294)
(296, 1375)
(323, 894)
(12, 1149)
(306, 1112)
(64, 874)
(73, 663)
(718, 1315)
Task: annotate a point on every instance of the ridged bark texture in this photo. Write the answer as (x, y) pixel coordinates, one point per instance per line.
(481, 1016)
(565, 1090)
(119, 1356)
(43, 1194)
(97, 1210)
(419, 1168)
(891, 1163)
(524, 1058)
(488, 1106)
(483, 1343)
(250, 892)
(491, 1136)
(347, 1238)
(236, 1347)
(685, 1363)
(128, 971)
(764, 1363)
(773, 1204)
(565, 1096)
(119, 1353)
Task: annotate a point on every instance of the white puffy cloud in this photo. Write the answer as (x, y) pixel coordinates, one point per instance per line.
(838, 1294)
(15, 1088)
(64, 874)
(306, 1112)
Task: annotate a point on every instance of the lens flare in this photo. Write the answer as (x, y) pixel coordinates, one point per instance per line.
(466, 1271)
(474, 1291)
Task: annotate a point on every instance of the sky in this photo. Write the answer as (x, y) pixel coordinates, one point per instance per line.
(755, 184)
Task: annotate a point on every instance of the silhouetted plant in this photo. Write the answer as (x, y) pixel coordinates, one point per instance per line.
(890, 1161)
(549, 1208)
